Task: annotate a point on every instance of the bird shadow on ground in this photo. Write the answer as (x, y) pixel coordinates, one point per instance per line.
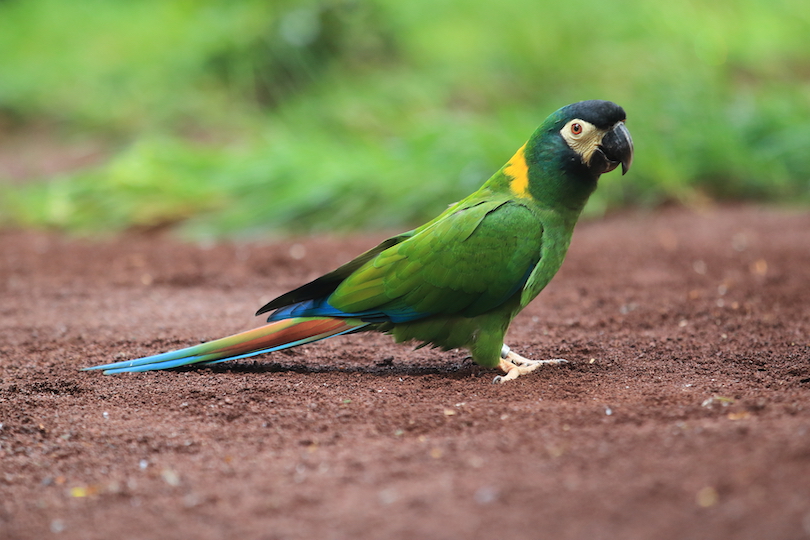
(458, 370)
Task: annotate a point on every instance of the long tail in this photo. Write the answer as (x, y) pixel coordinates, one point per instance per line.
(271, 337)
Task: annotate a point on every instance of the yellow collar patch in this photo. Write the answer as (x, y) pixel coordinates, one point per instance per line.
(518, 171)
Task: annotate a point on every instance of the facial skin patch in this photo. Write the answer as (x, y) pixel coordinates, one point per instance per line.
(583, 138)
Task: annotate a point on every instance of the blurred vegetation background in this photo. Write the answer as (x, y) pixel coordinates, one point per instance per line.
(239, 118)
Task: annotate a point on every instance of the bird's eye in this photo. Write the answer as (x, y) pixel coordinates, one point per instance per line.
(576, 128)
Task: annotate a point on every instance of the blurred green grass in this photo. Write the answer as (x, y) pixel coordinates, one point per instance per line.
(242, 117)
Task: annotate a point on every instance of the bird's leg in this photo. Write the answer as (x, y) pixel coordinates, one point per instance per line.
(515, 365)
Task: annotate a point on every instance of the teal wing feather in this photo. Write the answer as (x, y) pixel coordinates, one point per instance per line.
(326, 284)
(466, 263)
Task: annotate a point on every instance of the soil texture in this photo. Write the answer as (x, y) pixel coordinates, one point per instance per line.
(683, 413)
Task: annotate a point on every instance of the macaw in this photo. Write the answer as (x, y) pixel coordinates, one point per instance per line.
(458, 280)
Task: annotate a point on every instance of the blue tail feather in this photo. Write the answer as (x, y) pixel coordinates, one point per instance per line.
(213, 352)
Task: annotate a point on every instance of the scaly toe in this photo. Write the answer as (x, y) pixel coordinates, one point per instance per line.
(514, 365)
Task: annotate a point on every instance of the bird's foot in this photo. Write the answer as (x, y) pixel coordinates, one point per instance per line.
(515, 365)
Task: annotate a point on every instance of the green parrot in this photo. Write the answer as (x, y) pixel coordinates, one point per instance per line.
(458, 280)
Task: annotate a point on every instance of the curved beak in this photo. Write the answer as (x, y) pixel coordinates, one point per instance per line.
(617, 147)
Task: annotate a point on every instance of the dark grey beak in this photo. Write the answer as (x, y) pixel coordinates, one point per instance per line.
(616, 147)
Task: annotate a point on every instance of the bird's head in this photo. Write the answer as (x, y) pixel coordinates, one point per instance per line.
(572, 148)
(596, 136)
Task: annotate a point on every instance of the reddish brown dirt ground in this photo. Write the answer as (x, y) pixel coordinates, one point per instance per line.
(684, 412)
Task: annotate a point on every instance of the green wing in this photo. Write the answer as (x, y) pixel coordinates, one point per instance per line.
(470, 261)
